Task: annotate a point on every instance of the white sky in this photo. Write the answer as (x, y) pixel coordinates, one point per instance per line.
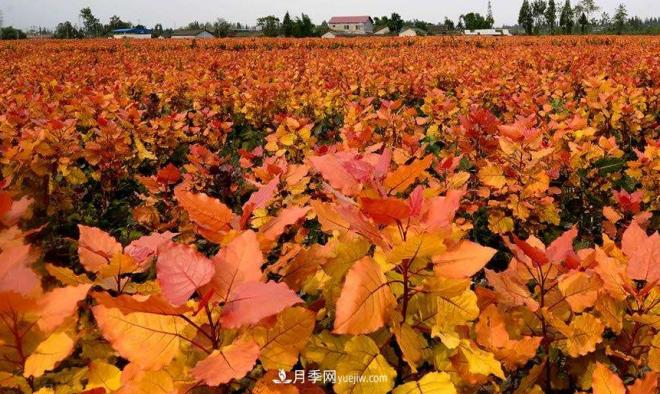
(173, 13)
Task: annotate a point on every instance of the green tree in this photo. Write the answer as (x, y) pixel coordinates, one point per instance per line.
(10, 33)
(551, 16)
(270, 25)
(66, 30)
(91, 25)
(395, 22)
(538, 12)
(620, 17)
(448, 24)
(287, 25)
(583, 21)
(304, 26)
(158, 30)
(525, 17)
(221, 27)
(474, 20)
(566, 18)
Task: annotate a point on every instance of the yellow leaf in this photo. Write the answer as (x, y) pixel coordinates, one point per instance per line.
(66, 275)
(119, 264)
(135, 380)
(48, 353)
(492, 175)
(479, 361)
(366, 301)
(417, 246)
(431, 383)
(131, 334)
(143, 153)
(500, 224)
(580, 289)
(325, 349)
(585, 332)
(370, 372)
(411, 343)
(453, 312)
(281, 344)
(102, 374)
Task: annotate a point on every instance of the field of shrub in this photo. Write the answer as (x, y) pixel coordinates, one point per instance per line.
(430, 215)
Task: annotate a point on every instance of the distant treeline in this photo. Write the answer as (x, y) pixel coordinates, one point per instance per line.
(535, 17)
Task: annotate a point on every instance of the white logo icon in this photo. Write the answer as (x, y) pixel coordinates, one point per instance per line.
(282, 378)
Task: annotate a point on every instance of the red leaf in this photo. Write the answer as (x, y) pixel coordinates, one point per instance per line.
(168, 175)
(536, 254)
(386, 210)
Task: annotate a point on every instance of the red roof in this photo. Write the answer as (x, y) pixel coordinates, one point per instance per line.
(349, 19)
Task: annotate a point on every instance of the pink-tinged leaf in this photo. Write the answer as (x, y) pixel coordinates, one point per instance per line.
(645, 263)
(332, 169)
(15, 272)
(562, 248)
(239, 262)
(143, 248)
(181, 270)
(96, 248)
(383, 164)
(416, 201)
(288, 216)
(441, 210)
(59, 304)
(15, 212)
(261, 197)
(252, 301)
(230, 362)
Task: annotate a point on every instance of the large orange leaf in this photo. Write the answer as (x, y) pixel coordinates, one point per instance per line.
(366, 301)
(580, 289)
(441, 210)
(181, 270)
(150, 340)
(59, 304)
(210, 215)
(643, 252)
(465, 260)
(385, 210)
(15, 272)
(269, 232)
(604, 381)
(96, 248)
(403, 177)
(252, 301)
(238, 262)
(231, 362)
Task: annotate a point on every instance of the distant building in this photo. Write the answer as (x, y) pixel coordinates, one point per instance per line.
(352, 24)
(136, 32)
(382, 32)
(192, 34)
(488, 32)
(412, 32)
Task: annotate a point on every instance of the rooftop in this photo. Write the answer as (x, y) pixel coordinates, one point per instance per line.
(349, 19)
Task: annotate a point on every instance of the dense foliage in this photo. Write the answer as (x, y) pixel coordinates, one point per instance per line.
(452, 215)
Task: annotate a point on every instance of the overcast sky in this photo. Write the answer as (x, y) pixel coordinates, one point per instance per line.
(174, 13)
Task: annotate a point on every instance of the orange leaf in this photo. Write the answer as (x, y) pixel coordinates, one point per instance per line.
(273, 229)
(168, 175)
(646, 385)
(212, 216)
(386, 210)
(604, 381)
(58, 304)
(239, 262)
(130, 304)
(404, 176)
(366, 301)
(644, 253)
(231, 362)
(96, 248)
(464, 261)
